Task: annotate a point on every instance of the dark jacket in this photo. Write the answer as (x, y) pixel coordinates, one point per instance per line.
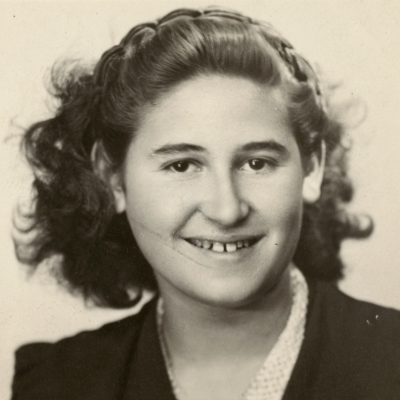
(351, 351)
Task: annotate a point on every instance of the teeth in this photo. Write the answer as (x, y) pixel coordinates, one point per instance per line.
(230, 247)
(220, 247)
(207, 244)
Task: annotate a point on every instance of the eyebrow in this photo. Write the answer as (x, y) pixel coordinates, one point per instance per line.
(176, 149)
(170, 149)
(266, 145)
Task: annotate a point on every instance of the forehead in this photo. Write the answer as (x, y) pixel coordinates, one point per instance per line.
(216, 110)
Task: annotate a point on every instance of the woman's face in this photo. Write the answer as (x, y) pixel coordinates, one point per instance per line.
(213, 187)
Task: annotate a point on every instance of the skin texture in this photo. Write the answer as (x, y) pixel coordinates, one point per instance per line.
(219, 195)
(215, 159)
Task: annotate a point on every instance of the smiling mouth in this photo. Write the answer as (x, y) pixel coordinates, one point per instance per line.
(220, 247)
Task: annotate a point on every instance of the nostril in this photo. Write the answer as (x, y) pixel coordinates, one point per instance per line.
(224, 212)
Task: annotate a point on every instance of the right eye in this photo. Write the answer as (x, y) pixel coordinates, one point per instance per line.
(183, 166)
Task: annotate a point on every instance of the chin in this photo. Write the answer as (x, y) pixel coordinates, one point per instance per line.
(236, 293)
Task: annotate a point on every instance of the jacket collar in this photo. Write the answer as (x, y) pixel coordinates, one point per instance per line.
(148, 378)
(305, 370)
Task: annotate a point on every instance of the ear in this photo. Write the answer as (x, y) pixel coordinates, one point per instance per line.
(313, 180)
(102, 168)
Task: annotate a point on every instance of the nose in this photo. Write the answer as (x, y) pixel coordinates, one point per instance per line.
(222, 201)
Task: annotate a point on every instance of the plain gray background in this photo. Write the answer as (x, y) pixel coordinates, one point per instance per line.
(356, 42)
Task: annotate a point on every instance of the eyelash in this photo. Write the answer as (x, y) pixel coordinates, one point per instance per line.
(172, 166)
(265, 163)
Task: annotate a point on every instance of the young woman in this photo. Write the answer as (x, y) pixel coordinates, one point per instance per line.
(200, 160)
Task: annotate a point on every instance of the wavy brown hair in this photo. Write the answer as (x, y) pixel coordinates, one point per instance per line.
(74, 214)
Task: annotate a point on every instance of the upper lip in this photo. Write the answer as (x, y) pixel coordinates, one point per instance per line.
(224, 239)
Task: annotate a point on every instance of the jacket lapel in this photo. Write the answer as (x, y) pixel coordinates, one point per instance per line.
(148, 378)
(301, 383)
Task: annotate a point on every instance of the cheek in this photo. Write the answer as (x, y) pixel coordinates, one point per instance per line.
(279, 201)
(154, 208)
(290, 208)
(281, 207)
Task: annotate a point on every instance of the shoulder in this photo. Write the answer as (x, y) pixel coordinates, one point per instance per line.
(89, 359)
(358, 344)
(348, 315)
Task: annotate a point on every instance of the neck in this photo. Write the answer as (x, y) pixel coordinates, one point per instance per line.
(200, 333)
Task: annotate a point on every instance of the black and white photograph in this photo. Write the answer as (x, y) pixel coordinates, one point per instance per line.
(200, 200)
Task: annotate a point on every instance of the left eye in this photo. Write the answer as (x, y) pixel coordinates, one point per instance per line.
(256, 164)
